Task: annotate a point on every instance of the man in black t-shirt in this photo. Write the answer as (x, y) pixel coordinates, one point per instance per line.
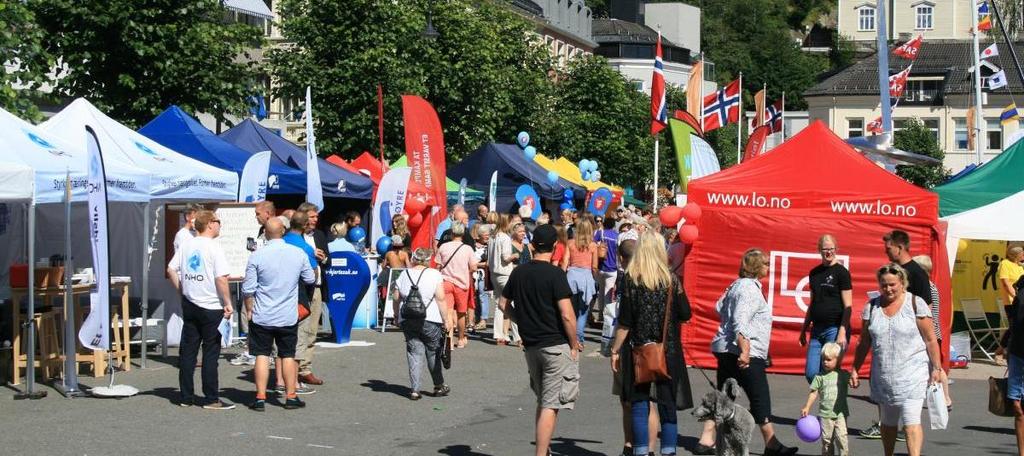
(542, 308)
(828, 315)
(897, 248)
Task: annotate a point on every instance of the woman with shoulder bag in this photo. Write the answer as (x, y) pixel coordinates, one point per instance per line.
(897, 329)
(424, 319)
(652, 308)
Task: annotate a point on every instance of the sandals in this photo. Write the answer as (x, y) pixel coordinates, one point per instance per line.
(441, 391)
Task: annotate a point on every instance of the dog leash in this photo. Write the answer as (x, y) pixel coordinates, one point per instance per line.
(687, 354)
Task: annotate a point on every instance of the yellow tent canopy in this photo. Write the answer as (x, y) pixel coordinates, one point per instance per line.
(569, 171)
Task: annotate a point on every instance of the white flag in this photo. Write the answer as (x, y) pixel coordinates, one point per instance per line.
(95, 332)
(997, 80)
(990, 51)
(493, 192)
(252, 187)
(314, 193)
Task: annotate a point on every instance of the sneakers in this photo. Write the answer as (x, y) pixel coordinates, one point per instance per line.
(219, 405)
(243, 359)
(414, 396)
(259, 405)
(703, 449)
(185, 403)
(441, 391)
(294, 403)
(781, 450)
(873, 432)
(303, 389)
(901, 436)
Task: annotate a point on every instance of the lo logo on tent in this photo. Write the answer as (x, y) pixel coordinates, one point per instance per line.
(788, 285)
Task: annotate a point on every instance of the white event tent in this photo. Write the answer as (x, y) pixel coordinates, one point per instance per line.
(175, 178)
(997, 221)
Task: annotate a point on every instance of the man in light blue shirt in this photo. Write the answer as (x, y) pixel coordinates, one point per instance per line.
(271, 290)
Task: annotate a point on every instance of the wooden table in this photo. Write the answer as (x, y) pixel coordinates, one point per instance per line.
(98, 358)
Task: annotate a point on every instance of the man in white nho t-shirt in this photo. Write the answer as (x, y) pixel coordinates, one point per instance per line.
(199, 270)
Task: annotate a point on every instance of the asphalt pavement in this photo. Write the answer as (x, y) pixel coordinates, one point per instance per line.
(363, 409)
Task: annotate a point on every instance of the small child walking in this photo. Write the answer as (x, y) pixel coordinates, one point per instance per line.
(832, 385)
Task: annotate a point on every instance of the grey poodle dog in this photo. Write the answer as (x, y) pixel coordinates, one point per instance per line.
(733, 424)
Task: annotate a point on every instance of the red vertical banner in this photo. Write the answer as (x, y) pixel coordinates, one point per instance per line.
(424, 148)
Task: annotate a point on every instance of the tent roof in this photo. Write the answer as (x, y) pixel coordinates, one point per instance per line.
(49, 160)
(178, 130)
(513, 170)
(371, 164)
(991, 182)
(815, 173)
(174, 176)
(336, 182)
(999, 221)
(15, 180)
(450, 185)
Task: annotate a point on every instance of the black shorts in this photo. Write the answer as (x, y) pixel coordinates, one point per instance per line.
(263, 338)
(753, 380)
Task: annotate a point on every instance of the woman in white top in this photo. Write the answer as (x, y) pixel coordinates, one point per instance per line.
(897, 328)
(423, 336)
(501, 261)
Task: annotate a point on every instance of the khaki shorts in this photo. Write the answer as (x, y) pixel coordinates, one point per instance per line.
(554, 376)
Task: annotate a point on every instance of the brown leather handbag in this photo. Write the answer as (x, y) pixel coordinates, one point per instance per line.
(649, 359)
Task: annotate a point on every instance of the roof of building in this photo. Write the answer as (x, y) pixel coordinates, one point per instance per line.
(950, 59)
(620, 31)
(528, 6)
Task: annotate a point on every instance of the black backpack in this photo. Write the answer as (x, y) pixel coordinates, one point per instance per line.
(414, 308)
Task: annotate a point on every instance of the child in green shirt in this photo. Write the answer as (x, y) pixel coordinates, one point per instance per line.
(832, 384)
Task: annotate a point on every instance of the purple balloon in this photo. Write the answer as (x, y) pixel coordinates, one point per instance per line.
(808, 429)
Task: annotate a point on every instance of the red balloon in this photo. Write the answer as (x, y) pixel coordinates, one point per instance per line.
(415, 205)
(416, 220)
(669, 215)
(691, 212)
(688, 234)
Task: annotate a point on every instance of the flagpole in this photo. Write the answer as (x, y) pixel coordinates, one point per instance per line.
(977, 96)
(655, 205)
(701, 116)
(883, 68)
(764, 104)
(1009, 44)
(783, 116)
(739, 124)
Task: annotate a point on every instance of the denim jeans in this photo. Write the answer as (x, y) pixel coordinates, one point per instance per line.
(423, 342)
(669, 429)
(819, 337)
(483, 300)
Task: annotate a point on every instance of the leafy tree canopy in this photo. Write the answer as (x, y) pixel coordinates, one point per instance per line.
(914, 137)
(21, 40)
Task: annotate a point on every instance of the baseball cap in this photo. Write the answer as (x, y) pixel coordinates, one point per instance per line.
(544, 237)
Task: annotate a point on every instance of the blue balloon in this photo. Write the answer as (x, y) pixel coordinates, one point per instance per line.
(593, 165)
(523, 139)
(565, 206)
(583, 165)
(552, 177)
(586, 175)
(356, 234)
(530, 151)
(567, 195)
(383, 244)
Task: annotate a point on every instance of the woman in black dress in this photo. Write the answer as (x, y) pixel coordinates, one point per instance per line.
(642, 313)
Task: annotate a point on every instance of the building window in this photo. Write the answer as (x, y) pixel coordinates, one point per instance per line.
(866, 19)
(960, 133)
(924, 17)
(854, 128)
(638, 85)
(931, 124)
(922, 91)
(994, 134)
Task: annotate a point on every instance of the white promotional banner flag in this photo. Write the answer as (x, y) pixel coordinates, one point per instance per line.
(462, 191)
(314, 193)
(95, 332)
(252, 187)
(493, 192)
(389, 201)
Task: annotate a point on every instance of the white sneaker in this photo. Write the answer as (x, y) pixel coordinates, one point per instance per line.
(243, 359)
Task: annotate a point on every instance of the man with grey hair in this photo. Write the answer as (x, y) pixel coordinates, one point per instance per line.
(457, 266)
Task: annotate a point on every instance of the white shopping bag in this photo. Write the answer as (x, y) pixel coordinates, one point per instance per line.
(936, 402)
(225, 332)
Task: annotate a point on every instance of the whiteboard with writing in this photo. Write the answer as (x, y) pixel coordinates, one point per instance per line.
(237, 224)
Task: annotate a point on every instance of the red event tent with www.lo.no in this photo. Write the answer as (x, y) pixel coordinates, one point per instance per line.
(782, 202)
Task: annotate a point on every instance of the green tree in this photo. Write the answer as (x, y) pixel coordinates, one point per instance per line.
(21, 39)
(134, 58)
(597, 114)
(914, 137)
(485, 80)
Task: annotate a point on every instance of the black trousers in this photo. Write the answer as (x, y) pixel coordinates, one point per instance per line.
(753, 380)
(200, 326)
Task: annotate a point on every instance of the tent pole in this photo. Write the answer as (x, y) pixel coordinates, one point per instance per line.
(69, 387)
(30, 339)
(145, 286)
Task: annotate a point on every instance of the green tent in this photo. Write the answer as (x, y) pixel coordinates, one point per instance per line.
(987, 184)
(450, 185)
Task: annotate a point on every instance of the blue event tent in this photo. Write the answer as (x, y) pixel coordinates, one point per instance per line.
(513, 168)
(177, 130)
(336, 182)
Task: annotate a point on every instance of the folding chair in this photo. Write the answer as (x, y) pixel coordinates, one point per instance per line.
(986, 337)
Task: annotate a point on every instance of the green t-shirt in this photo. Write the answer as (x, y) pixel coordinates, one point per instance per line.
(832, 388)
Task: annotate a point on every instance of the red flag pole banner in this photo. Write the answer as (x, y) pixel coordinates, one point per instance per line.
(756, 142)
(782, 203)
(424, 148)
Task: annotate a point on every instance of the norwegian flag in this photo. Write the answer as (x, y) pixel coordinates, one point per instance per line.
(909, 49)
(898, 83)
(773, 116)
(659, 108)
(722, 107)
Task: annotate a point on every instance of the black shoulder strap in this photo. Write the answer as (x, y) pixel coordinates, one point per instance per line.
(445, 265)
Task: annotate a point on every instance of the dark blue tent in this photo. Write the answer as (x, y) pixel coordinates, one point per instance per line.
(178, 131)
(513, 168)
(336, 182)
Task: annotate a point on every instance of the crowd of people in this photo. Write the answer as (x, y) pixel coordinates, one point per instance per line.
(538, 284)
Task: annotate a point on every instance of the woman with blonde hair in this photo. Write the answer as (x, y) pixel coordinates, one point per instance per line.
(500, 262)
(580, 264)
(651, 309)
(400, 227)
